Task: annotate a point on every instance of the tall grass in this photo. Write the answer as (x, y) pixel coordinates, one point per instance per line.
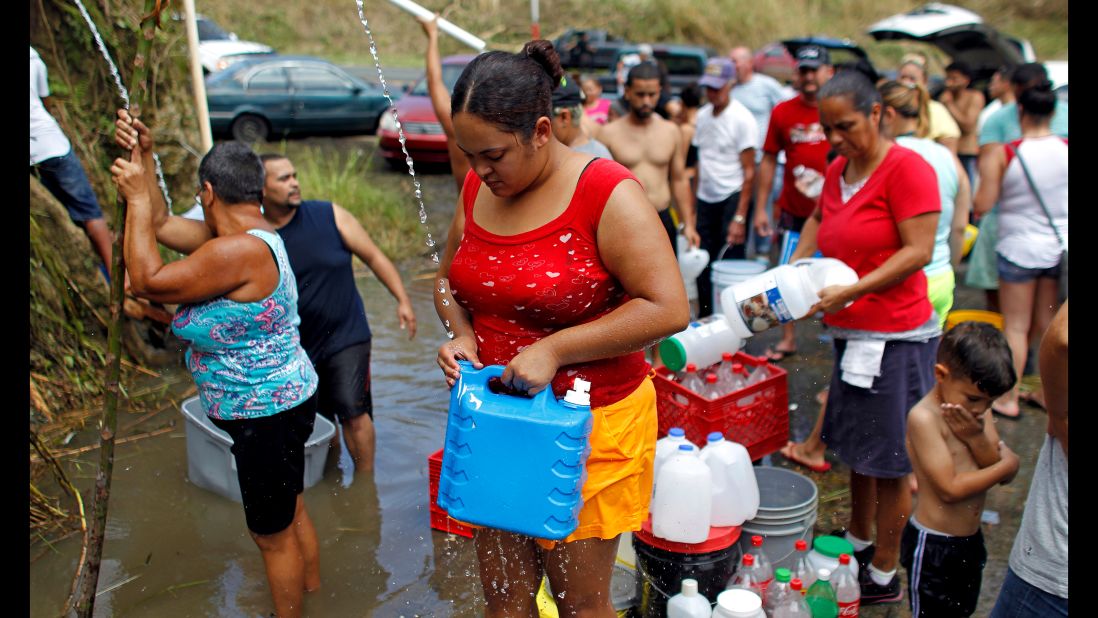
(381, 202)
(330, 28)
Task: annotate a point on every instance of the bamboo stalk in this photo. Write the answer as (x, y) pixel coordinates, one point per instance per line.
(87, 575)
(92, 447)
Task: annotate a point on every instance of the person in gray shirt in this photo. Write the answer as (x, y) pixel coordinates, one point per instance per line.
(568, 101)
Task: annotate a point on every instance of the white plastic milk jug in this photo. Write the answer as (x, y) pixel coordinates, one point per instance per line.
(735, 490)
(689, 603)
(781, 294)
(702, 343)
(738, 603)
(665, 448)
(681, 506)
(691, 264)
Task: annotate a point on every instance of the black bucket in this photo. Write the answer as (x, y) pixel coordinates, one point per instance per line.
(662, 571)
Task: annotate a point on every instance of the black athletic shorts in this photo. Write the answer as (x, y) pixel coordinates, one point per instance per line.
(344, 389)
(270, 464)
(669, 227)
(943, 572)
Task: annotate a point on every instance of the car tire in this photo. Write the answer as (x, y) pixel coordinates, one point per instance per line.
(250, 128)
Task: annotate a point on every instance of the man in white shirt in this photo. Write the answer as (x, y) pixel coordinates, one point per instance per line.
(724, 146)
(759, 93)
(56, 165)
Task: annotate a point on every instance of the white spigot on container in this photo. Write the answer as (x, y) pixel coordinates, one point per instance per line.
(579, 394)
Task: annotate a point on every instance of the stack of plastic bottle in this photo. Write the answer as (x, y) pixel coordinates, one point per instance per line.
(695, 490)
(721, 378)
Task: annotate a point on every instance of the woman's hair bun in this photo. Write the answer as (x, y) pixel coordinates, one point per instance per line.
(542, 52)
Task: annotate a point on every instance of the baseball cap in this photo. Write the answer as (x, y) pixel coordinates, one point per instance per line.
(812, 57)
(644, 49)
(568, 93)
(718, 72)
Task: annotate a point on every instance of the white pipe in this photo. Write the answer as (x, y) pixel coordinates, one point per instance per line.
(197, 79)
(449, 28)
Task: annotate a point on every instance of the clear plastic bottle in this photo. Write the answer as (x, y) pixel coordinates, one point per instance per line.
(746, 576)
(712, 389)
(848, 593)
(725, 374)
(689, 603)
(744, 380)
(763, 569)
(777, 591)
(758, 374)
(802, 568)
(692, 381)
(821, 597)
(794, 605)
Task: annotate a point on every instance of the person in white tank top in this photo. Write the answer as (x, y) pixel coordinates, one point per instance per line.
(1030, 245)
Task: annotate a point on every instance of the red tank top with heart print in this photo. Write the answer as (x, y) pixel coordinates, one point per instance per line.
(520, 288)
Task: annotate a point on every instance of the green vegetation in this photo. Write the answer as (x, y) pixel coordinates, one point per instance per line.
(330, 28)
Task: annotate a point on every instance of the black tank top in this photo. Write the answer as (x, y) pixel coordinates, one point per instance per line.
(332, 314)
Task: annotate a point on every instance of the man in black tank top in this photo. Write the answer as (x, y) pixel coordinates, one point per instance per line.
(321, 240)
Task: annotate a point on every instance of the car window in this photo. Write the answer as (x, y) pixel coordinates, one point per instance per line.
(209, 31)
(450, 75)
(317, 78)
(681, 64)
(273, 78)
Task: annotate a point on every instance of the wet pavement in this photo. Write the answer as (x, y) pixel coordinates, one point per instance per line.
(174, 549)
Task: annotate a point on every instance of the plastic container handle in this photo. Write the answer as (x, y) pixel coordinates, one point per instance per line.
(496, 371)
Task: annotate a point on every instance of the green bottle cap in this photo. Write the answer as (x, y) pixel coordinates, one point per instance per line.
(672, 354)
(832, 546)
(782, 575)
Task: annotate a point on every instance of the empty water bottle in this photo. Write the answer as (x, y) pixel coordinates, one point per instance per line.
(802, 567)
(848, 592)
(712, 389)
(762, 565)
(777, 591)
(794, 605)
(692, 381)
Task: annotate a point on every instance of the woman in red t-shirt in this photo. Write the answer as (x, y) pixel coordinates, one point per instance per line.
(560, 269)
(878, 213)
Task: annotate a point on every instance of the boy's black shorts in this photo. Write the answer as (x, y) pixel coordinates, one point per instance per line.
(270, 464)
(343, 391)
(943, 572)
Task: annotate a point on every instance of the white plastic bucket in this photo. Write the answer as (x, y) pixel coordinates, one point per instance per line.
(725, 273)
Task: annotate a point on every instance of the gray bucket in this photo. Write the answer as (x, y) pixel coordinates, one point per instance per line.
(787, 513)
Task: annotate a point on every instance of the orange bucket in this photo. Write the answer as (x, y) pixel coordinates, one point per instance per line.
(974, 315)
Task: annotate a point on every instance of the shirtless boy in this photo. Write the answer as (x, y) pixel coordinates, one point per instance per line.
(957, 456)
(652, 149)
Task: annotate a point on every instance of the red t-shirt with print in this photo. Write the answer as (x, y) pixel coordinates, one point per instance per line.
(863, 233)
(520, 288)
(795, 128)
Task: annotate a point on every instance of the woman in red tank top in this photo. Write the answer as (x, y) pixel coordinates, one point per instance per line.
(560, 269)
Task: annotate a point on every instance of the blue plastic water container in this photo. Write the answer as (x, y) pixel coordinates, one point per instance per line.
(512, 462)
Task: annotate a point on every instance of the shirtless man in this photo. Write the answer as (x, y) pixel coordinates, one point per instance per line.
(651, 148)
(965, 104)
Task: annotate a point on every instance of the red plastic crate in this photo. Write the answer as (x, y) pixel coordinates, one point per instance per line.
(440, 520)
(762, 426)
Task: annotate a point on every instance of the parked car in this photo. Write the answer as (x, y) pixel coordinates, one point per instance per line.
(279, 96)
(598, 51)
(961, 34)
(777, 59)
(218, 49)
(423, 135)
(685, 64)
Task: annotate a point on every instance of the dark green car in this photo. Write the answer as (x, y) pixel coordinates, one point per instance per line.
(278, 96)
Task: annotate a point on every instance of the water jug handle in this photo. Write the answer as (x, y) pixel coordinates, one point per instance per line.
(485, 373)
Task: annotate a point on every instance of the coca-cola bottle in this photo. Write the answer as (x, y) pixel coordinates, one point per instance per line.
(847, 590)
(691, 381)
(746, 576)
(762, 565)
(794, 605)
(802, 568)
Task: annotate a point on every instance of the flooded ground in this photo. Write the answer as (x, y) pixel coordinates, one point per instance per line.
(176, 550)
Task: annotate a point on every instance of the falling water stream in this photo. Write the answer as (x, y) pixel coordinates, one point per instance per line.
(122, 92)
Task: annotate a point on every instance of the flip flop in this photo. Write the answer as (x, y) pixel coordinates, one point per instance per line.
(1028, 397)
(824, 467)
(776, 356)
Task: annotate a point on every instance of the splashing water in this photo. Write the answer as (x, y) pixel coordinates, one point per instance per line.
(400, 129)
(122, 92)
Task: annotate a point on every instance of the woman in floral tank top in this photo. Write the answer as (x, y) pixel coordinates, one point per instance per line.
(558, 267)
(238, 311)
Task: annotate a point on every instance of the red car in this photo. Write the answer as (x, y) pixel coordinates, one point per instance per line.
(423, 134)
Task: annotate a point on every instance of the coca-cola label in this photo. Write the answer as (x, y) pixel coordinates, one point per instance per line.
(849, 608)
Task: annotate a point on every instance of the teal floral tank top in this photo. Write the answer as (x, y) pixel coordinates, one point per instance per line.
(246, 358)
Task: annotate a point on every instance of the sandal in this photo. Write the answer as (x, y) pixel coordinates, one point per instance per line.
(787, 452)
(775, 355)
